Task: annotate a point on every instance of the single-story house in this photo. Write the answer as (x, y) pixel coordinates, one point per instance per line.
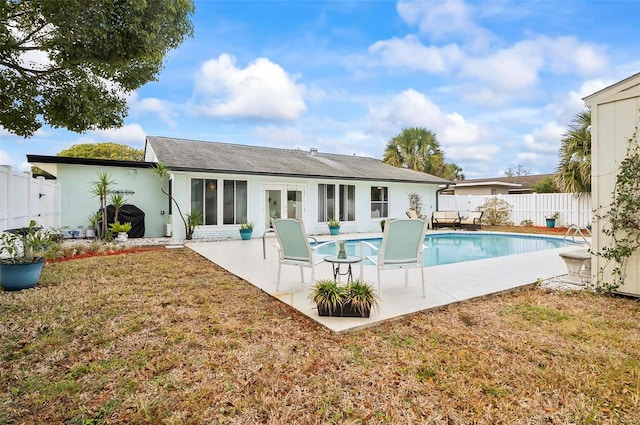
(514, 185)
(615, 114)
(233, 183)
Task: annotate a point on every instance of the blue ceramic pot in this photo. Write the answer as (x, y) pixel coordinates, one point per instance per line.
(14, 277)
(245, 234)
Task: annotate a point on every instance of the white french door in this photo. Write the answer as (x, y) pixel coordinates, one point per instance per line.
(282, 201)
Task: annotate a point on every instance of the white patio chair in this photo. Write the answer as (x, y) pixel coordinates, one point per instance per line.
(294, 248)
(401, 248)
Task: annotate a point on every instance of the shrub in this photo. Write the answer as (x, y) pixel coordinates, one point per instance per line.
(496, 212)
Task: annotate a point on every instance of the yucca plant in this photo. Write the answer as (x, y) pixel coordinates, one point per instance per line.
(355, 299)
(362, 296)
(327, 294)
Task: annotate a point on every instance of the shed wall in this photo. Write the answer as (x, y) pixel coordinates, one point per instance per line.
(613, 124)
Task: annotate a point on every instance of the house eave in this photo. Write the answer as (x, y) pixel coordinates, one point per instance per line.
(299, 176)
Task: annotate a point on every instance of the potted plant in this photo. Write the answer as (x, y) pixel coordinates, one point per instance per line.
(382, 222)
(551, 221)
(121, 229)
(22, 255)
(334, 226)
(355, 299)
(246, 229)
(94, 221)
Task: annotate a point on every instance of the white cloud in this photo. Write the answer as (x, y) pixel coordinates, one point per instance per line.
(458, 131)
(476, 152)
(5, 158)
(152, 105)
(513, 69)
(567, 55)
(261, 90)
(279, 136)
(443, 20)
(409, 52)
(413, 109)
(131, 134)
(545, 139)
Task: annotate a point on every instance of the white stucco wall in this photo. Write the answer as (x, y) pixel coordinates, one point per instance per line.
(398, 203)
(615, 114)
(78, 203)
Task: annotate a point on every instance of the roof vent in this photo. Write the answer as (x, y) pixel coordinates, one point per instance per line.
(313, 151)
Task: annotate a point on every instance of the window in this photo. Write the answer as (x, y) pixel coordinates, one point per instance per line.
(204, 198)
(347, 202)
(235, 202)
(379, 201)
(326, 202)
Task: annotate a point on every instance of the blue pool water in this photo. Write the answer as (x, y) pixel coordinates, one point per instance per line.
(447, 248)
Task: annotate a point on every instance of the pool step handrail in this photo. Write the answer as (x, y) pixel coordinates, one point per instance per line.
(574, 231)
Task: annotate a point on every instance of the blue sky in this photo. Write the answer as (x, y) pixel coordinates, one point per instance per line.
(497, 81)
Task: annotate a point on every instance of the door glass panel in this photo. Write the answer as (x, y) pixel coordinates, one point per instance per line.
(294, 204)
(273, 205)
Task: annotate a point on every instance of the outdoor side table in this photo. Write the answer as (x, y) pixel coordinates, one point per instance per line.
(337, 262)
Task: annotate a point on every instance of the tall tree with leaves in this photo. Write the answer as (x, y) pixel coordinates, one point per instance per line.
(107, 150)
(70, 63)
(418, 149)
(574, 168)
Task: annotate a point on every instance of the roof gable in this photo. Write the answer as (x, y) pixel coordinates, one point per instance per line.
(625, 89)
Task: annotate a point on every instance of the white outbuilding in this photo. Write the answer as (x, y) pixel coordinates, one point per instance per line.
(615, 119)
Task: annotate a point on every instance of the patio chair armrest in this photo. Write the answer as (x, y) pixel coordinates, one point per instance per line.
(318, 245)
(370, 245)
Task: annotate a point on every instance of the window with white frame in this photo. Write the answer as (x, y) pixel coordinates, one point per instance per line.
(379, 201)
(347, 202)
(235, 202)
(326, 202)
(204, 198)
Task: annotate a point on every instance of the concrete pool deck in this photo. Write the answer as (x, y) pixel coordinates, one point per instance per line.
(446, 284)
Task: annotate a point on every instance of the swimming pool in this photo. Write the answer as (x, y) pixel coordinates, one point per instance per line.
(447, 248)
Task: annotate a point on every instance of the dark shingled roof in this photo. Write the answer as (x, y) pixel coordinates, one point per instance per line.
(191, 155)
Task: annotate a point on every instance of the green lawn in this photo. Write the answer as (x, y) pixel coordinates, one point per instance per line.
(167, 337)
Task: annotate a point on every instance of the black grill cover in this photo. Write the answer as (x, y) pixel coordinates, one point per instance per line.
(128, 214)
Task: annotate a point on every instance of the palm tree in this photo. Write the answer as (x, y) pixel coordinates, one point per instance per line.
(417, 149)
(574, 167)
(101, 188)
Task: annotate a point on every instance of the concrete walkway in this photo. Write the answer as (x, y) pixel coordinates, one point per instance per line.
(445, 284)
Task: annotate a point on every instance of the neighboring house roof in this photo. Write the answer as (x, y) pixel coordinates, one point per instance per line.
(515, 183)
(191, 155)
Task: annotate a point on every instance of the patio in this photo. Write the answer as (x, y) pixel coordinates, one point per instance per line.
(444, 284)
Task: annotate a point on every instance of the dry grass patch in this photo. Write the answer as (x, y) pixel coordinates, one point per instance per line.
(168, 337)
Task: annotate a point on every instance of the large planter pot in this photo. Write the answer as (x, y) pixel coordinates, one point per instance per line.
(245, 234)
(15, 277)
(346, 310)
(334, 230)
(122, 237)
(551, 223)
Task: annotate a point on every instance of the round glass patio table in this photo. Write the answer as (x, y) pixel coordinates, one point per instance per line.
(337, 262)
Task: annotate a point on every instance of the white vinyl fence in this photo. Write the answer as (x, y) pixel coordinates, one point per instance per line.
(23, 198)
(535, 207)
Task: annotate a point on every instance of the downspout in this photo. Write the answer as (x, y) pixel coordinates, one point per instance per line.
(448, 185)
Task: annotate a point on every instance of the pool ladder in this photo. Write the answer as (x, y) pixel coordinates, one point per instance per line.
(574, 231)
